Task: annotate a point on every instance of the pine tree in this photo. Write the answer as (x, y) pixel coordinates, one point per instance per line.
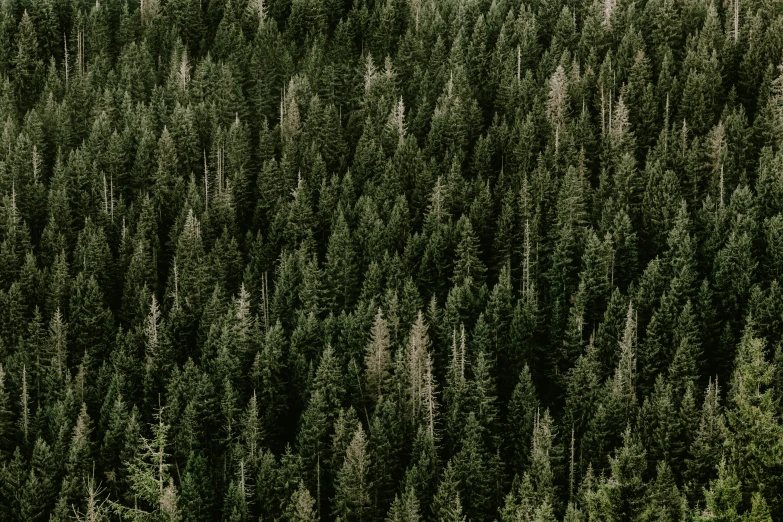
(77, 465)
(38, 492)
(24, 408)
(156, 350)
(377, 356)
(301, 506)
(6, 415)
(187, 283)
(541, 456)
(312, 439)
(150, 479)
(663, 498)
(628, 466)
(499, 315)
(684, 368)
(468, 268)
(405, 508)
(235, 507)
(759, 510)
(446, 505)
(416, 357)
(724, 496)
(623, 392)
(420, 476)
(112, 427)
(352, 500)
(477, 470)
(482, 391)
(268, 376)
(91, 323)
(385, 448)
(659, 424)
(252, 432)
(197, 492)
(12, 481)
(557, 104)
(751, 405)
(340, 270)
(28, 67)
(95, 509)
(734, 268)
(583, 388)
(520, 501)
(299, 223)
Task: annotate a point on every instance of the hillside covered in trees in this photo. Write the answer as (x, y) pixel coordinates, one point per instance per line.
(391, 260)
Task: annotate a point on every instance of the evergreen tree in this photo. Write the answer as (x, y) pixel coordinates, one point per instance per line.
(628, 466)
(352, 487)
(235, 507)
(724, 497)
(91, 323)
(447, 505)
(197, 493)
(468, 268)
(751, 405)
(405, 508)
(707, 446)
(300, 507)
(377, 356)
(341, 265)
(6, 415)
(28, 66)
(475, 226)
(421, 474)
(150, 479)
(759, 509)
(477, 470)
(77, 465)
(664, 501)
(95, 510)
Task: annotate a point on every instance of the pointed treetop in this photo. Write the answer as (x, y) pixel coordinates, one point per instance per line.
(370, 73)
(437, 206)
(396, 122)
(623, 384)
(258, 9)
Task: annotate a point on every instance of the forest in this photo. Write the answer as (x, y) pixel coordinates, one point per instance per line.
(391, 260)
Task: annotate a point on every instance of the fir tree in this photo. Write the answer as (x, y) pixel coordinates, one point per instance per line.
(352, 487)
(150, 479)
(723, 498)
(377, 356)
(6, 415)
(301, 506)
(447, 505)
(751, 405)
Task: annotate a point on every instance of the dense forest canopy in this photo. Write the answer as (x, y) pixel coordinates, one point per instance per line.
(391, 260)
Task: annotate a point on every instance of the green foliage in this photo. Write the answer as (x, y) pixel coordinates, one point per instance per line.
(352, 486)
(300, 508)
(299, 259)
(150, 480)
(751, 405)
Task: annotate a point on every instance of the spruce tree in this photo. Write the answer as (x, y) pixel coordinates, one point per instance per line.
(751, 397)
(341, 265)
(28, 66)
(149, 478)
(352, 500)
(377, 356)
(6, 415)
(723, 498)
(301, 506)
(447, 505)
